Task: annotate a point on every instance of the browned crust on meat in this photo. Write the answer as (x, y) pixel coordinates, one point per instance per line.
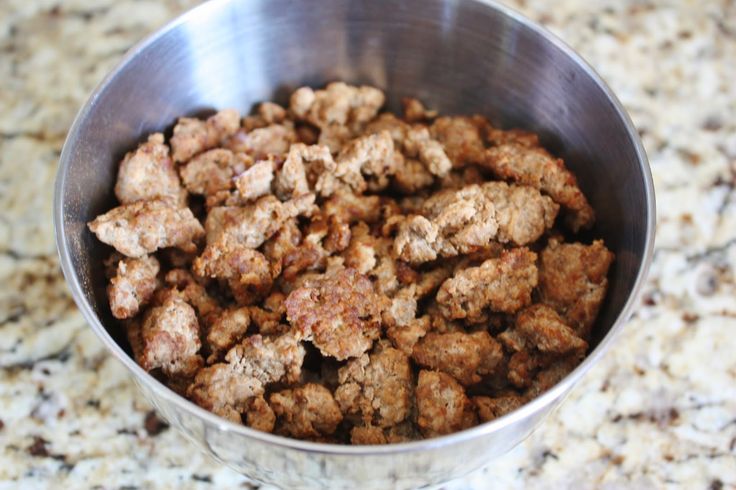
(573, 280)
(170, 339)
(490, 408)
(465, 356)
(465, 220)
(193, 136)
(149, 173)
(535, 167)
(133, 286)
(501, 285)
(142, 227)
(377, 388)
(306, 412)
(338, 312)
(442, 405)
(546, 331)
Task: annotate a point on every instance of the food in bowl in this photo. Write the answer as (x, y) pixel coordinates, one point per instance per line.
(332, 273)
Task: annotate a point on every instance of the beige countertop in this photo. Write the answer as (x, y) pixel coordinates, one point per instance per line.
(658, 411)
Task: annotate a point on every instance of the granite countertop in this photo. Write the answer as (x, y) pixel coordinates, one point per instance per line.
(658, 411)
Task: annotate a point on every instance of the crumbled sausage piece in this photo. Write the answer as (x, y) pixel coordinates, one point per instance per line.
(465, 220)
(414, 110)
(512, 339)
(256, 181)
(272, 113)
(228, 388)
(389, 122)
(498, 137)
(260, 416)
(403, 432)
(349, 208)
(323, 236)
(521, 212)
(142, 227)
(573, 281)
(404, 273)
(207, 307)
(402, 309)
(227, 330)
(223, 391)
(430, 152)
(334, 137)
(490, 408)
(268, 359)
(133, 286)
(553, 374)
(371, 155)
(425, 156)
(253, 224)
(148, 173)
(370, 255)
(430, 280)
(267, 113)
(170, 339)
(361, 253)
(193, 136)
(268, 321)
(404, 300)
(546, 331)
(535, 167)
(280, 245)
(412, 176)
(442, 405)
(406, 337)
(369, 435)
(212, 171)
(461, 138)
(308, 257)
(302, 169)
(339, 312)
(418, 240)
(306, 412)
(312, 167)
(338, 235)
(464, 356)
(247, 271)
(377, 387)
(338, 103)
(274, 139)
(503, 285)
(522, 367)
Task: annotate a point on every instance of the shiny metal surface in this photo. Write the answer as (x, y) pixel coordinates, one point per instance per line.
(459, 56)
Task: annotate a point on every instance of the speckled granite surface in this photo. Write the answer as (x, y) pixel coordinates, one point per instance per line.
(658, 412)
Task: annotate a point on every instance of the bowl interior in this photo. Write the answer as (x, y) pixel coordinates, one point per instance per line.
(458, 56)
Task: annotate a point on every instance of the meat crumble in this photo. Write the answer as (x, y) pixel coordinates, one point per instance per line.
(330, 272)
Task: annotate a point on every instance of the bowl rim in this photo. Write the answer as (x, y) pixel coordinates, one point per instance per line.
(223, 425)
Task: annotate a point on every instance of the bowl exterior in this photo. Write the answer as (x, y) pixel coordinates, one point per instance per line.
(264, 462)
(458, 56)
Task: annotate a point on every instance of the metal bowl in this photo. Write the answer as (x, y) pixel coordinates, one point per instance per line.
(460, 56)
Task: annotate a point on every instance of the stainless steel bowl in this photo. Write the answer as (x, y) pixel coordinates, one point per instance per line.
(460, 56)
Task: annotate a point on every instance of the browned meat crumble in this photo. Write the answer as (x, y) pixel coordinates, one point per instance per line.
(328, 272)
